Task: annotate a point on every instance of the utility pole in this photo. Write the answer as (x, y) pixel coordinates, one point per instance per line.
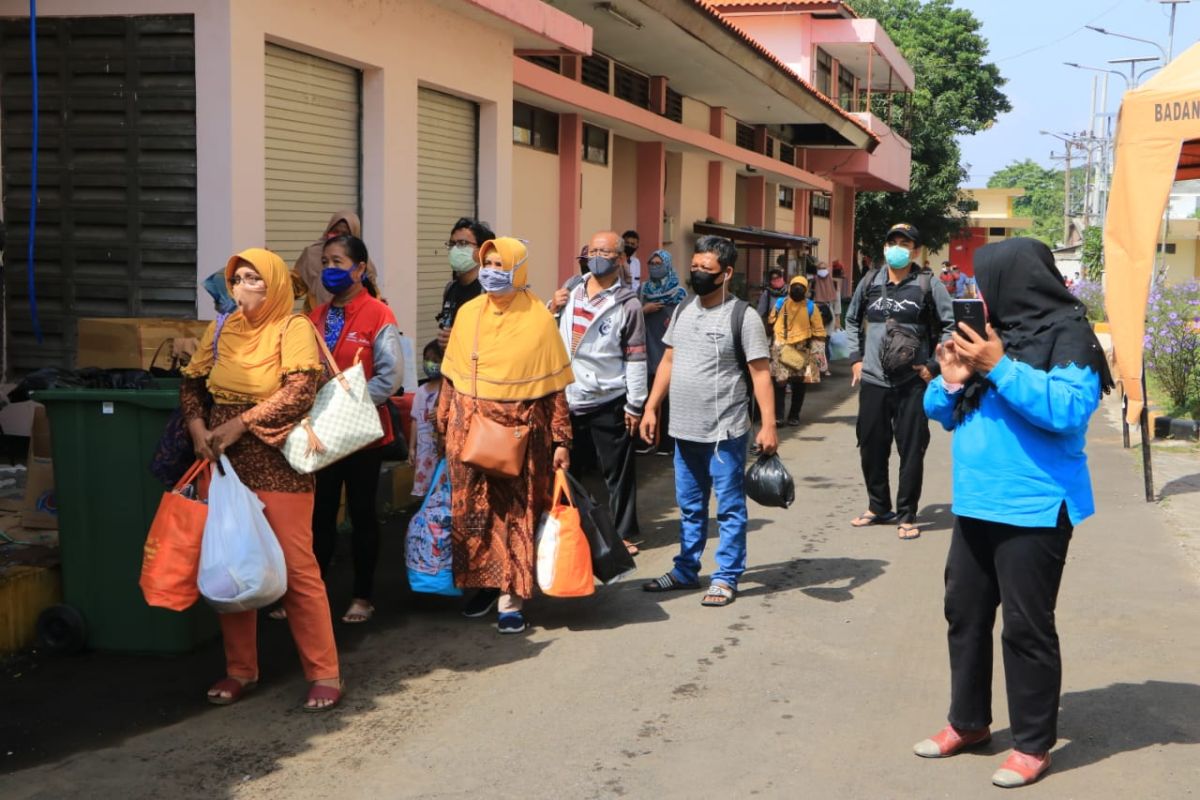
(1067, 200)
(1171, 31)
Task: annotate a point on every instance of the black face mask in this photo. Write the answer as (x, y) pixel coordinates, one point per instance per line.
(630, 249)
(704, 283)
(797, 293)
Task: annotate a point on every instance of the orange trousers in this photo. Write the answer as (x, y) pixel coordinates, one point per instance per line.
(307, 605)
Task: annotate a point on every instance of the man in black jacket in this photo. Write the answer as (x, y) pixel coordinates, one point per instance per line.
(890, 402)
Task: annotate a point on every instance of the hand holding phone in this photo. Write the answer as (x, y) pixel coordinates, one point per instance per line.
(970, 313)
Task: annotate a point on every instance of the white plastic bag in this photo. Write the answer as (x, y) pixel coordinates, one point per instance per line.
(839, 345)
(241, 562)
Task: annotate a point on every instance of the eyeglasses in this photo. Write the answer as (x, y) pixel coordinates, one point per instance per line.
(605, 253)
(655, 263)
(460, 243)
(250, 280)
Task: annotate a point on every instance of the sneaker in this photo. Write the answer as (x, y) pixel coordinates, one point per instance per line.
(481, 603)
(950, 741)
(1021, 769)
(511, 622)
(645, 450)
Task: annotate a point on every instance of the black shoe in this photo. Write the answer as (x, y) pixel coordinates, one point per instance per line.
(483, 602)
(793, 422)
(645, 450)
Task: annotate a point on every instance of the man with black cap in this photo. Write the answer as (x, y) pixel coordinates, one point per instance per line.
(895, 319)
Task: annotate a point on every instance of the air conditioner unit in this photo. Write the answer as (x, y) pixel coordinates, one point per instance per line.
(668, 232)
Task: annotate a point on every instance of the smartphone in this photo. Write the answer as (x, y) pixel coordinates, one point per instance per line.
(970, 313)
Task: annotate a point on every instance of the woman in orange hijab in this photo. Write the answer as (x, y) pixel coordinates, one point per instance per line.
(252, 379)
(506, 361)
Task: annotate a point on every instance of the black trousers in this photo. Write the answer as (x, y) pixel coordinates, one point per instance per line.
(603, 430)
(887, 414)
(1020, 570)
(799, 387)
(359, 473)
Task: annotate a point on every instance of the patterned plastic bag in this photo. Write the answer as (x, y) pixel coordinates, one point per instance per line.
(427, 548)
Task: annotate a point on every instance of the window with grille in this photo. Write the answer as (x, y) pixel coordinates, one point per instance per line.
(1170, 248)
(535, 127)
(821, 203)
(595, 145)
(674, 106)
(595, 73)
(745, 136)
(552, 63)
(996, 231)
(770, 147)
(823, 72)
(846, 89)
(787, 153)
(630, 86)
(787, 197)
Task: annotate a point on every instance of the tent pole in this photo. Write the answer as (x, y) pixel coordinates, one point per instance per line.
(1144, 424)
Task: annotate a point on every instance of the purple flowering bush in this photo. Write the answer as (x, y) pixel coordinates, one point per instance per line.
(1173, 343)
(1091, 294)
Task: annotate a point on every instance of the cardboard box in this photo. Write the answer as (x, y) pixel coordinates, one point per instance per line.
(131, 342)
(40, 509)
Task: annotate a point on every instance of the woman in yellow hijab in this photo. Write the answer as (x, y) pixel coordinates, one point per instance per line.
(252, 380)
(506, 361)
(798, 348)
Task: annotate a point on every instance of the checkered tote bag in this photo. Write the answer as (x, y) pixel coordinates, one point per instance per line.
(343, 420)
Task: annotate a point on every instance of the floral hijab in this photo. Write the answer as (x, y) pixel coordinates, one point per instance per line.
(665, 290)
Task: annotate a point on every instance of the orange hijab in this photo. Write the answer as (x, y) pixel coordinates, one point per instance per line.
(521, 354)
(253, 356)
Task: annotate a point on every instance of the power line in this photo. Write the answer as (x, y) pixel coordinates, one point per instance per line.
(1063, 38)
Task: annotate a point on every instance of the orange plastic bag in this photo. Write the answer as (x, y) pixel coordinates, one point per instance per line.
(564, 560)
(171, 556)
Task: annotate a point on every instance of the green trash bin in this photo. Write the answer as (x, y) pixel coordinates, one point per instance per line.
(102, 442)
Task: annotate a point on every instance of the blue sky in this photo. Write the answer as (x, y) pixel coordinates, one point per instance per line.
(1029, 40)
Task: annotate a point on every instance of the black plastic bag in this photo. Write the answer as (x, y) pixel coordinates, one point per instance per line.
(610, 559)
(768, 482)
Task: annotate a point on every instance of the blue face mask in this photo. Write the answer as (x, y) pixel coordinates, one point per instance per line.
(336, 280)
(897, 256)
(495, 281)
(601, 266)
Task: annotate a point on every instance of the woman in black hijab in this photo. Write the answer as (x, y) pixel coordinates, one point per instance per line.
(1018, 397)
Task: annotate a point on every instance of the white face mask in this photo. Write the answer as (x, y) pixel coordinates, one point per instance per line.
(822, 273)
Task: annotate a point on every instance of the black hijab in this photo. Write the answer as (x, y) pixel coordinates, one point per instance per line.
(1040, 321)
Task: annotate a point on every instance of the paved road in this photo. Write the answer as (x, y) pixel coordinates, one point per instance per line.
(815, 683)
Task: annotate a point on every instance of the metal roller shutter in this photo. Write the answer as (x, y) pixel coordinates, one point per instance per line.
(313, 160)
(447, 147)
(116, 232)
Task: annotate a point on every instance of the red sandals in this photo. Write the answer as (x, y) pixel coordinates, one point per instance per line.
(234, 687)
(316, 692)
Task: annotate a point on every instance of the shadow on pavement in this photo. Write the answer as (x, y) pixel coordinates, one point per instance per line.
(830, 579)
(1188, 484)
(936, 517)
(1123, 717)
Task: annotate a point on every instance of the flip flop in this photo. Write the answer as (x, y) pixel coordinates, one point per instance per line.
(718, 596)
(363, 614)
(908, 530)
(871, 518)
(279, 613)
(631, 547)
(237, 690)
(318, 692)
(668, 583)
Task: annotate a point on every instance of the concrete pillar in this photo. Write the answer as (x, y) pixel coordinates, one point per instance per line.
(716, 127)
(570, 189)
(756, 216)
(651, 177)
(658, 94)
(572, 67)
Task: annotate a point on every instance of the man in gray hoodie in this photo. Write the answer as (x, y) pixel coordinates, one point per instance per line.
(603, 329)
(890, 303)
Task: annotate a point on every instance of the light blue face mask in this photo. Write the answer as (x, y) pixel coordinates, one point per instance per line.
(897, 257)
(495, 281)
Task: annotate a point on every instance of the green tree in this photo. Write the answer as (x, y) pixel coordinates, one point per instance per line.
(957, 93)
(1044, 196)
(1093, 253)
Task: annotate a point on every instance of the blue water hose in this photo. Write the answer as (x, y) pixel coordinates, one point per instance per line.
(33, 179)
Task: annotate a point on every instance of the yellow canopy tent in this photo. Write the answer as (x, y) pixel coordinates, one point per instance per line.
(1158, 143)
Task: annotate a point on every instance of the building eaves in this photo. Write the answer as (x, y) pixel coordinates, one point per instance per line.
(786, 5)
(710, 9)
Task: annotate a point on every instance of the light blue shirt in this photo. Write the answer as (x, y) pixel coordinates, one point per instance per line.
(1020, 455)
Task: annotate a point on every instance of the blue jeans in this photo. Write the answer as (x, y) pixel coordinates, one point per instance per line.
(699, 469)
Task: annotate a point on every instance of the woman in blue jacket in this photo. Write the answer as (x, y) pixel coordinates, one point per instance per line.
(1018, 397)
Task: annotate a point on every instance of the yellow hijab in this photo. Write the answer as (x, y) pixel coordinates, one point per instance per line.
(793, 325)
(521, 354)
(253, 356)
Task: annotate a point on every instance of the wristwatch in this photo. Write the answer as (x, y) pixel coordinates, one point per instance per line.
(562, 444)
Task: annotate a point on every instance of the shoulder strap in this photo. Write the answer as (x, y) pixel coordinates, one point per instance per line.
(811, 306)
(324, 349)
(220, 323)
(736, 318)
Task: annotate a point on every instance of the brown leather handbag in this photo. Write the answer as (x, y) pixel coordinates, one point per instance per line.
(495, 449)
